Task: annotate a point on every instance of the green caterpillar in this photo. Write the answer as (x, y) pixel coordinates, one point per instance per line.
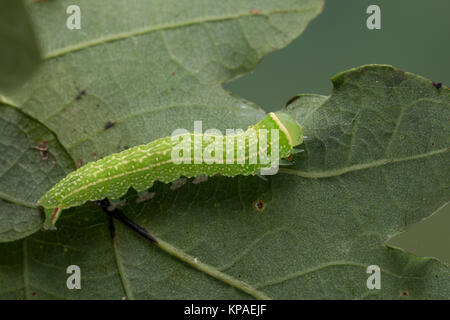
(188, 154)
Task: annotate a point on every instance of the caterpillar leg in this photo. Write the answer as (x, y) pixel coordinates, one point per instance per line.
(262, 177)
(144, 196)
(285, 163)
(178, 184)
(116, 204)
(296, 151)
(199, 179)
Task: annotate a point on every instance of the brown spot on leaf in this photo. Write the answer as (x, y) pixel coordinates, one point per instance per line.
(405, 293)
(79, 163)
(108, 125)
(80, 95)
(259, 206)
(255, 11)
(437, 85)
(42, 147)
(93, 155)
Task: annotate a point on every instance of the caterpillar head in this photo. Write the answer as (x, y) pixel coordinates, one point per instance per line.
(293, 129)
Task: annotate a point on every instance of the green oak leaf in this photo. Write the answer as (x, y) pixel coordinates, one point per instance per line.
(134, 73)
(323, 224)
(19, 54)
(374, 163)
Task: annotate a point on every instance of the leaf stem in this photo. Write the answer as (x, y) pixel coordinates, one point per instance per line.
(357, 167)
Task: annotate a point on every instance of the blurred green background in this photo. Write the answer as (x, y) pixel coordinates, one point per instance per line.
(414, 36)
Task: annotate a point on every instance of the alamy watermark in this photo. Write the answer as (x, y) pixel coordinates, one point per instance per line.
(74, 280)
(235, 147)
(374, 20)
(73, 22)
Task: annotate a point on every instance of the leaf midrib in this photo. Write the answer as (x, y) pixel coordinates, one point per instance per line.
(358, 167)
